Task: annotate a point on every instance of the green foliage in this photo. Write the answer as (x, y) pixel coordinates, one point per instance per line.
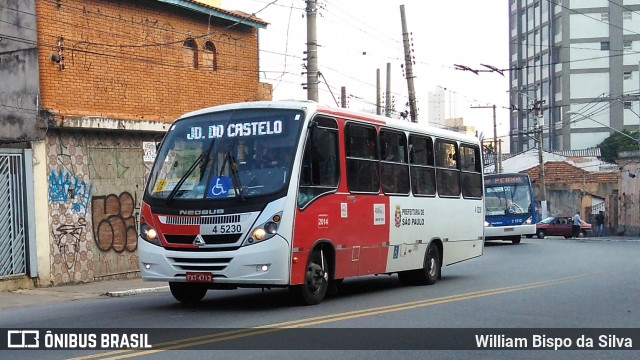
(610, 147)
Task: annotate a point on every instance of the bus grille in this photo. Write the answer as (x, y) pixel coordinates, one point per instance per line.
(189, 264)
(203, 220)
(208, 239)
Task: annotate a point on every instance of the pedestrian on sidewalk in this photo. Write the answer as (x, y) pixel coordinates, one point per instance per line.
(600, 224)
(576, 225)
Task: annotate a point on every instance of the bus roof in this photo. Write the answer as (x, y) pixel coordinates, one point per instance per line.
(313, 107)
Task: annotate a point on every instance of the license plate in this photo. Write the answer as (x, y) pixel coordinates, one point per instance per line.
(199, 277)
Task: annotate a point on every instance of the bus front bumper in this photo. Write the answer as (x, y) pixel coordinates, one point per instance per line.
(265, 263)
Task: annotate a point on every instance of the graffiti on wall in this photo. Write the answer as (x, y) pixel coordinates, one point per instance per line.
(93, 183)
(114, 222)
(66, 239)
(63, 187)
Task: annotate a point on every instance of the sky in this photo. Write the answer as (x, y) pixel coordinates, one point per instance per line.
(357, 37)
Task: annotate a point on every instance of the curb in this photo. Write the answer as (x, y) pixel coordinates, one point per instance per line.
(131, 292)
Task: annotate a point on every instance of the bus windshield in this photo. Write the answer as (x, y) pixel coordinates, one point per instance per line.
(509, 200)
(240, 153)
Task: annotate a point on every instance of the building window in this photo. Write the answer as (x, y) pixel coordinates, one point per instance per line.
(627, 105)
(190, 53)
(627, 45)
(604, 45)
(604, 17)
(628, 75)
(210, 56)
(626, 15)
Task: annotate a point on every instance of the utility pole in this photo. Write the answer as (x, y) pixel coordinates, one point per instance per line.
(378, 105)
(543, 188)
(495, 136)
(343, 96)
(387, 106)
(312, 51)
(409, 67)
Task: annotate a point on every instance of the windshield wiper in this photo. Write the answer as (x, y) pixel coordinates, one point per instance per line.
(235, 177)
(202, 160)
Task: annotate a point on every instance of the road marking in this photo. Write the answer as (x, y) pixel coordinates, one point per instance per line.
(263, 329)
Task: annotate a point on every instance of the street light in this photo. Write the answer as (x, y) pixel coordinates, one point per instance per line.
(607, 126)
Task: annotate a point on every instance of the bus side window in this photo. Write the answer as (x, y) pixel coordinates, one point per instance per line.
(320, 166)
(447, 173)
(362, 161)
(394, 171)
(423, 175)
(471, 175)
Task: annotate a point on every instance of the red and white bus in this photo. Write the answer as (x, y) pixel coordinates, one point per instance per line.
(295, 194)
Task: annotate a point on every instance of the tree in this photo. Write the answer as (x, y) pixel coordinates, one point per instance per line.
(610, 147)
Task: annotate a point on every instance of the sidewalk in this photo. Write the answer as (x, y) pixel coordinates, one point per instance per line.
(55, 294)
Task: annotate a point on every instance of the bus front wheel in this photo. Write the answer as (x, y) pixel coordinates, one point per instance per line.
(187, 293)
(316, 280)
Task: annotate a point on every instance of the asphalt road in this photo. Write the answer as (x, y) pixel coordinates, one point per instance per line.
(539, 284)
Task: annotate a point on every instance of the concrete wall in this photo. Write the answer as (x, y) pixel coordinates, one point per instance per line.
(19, 92)
(629, 195)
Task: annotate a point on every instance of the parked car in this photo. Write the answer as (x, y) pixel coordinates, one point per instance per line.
(560, 226)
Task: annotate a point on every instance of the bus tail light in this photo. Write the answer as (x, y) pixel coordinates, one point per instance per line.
(528, 221)
(148, 233)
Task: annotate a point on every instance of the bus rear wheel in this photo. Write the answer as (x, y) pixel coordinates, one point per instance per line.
(429, 273)
(316, 280)
(187, 293)
(431, 269)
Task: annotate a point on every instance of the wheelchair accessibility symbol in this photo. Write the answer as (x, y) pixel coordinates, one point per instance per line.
(219, 187)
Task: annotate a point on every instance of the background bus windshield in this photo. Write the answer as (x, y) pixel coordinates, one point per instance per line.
(507, 200)
(240, 153)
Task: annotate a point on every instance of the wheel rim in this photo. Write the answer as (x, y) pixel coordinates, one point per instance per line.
(315, 278)
(431, 263)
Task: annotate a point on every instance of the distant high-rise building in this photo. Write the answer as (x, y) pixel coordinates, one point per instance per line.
(436, 107)
(574, 71)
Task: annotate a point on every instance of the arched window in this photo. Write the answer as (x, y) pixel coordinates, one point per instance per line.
(190, 53)
(210, 56)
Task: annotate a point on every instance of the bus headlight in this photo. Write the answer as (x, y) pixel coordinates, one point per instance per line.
(148, 233)
(264, 231)
(487, 224)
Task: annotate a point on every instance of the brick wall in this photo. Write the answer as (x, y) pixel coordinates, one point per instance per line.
(126, 60)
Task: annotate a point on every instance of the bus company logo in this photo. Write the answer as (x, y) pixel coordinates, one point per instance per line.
(199, 241)
(23, 339)
(398, 216)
